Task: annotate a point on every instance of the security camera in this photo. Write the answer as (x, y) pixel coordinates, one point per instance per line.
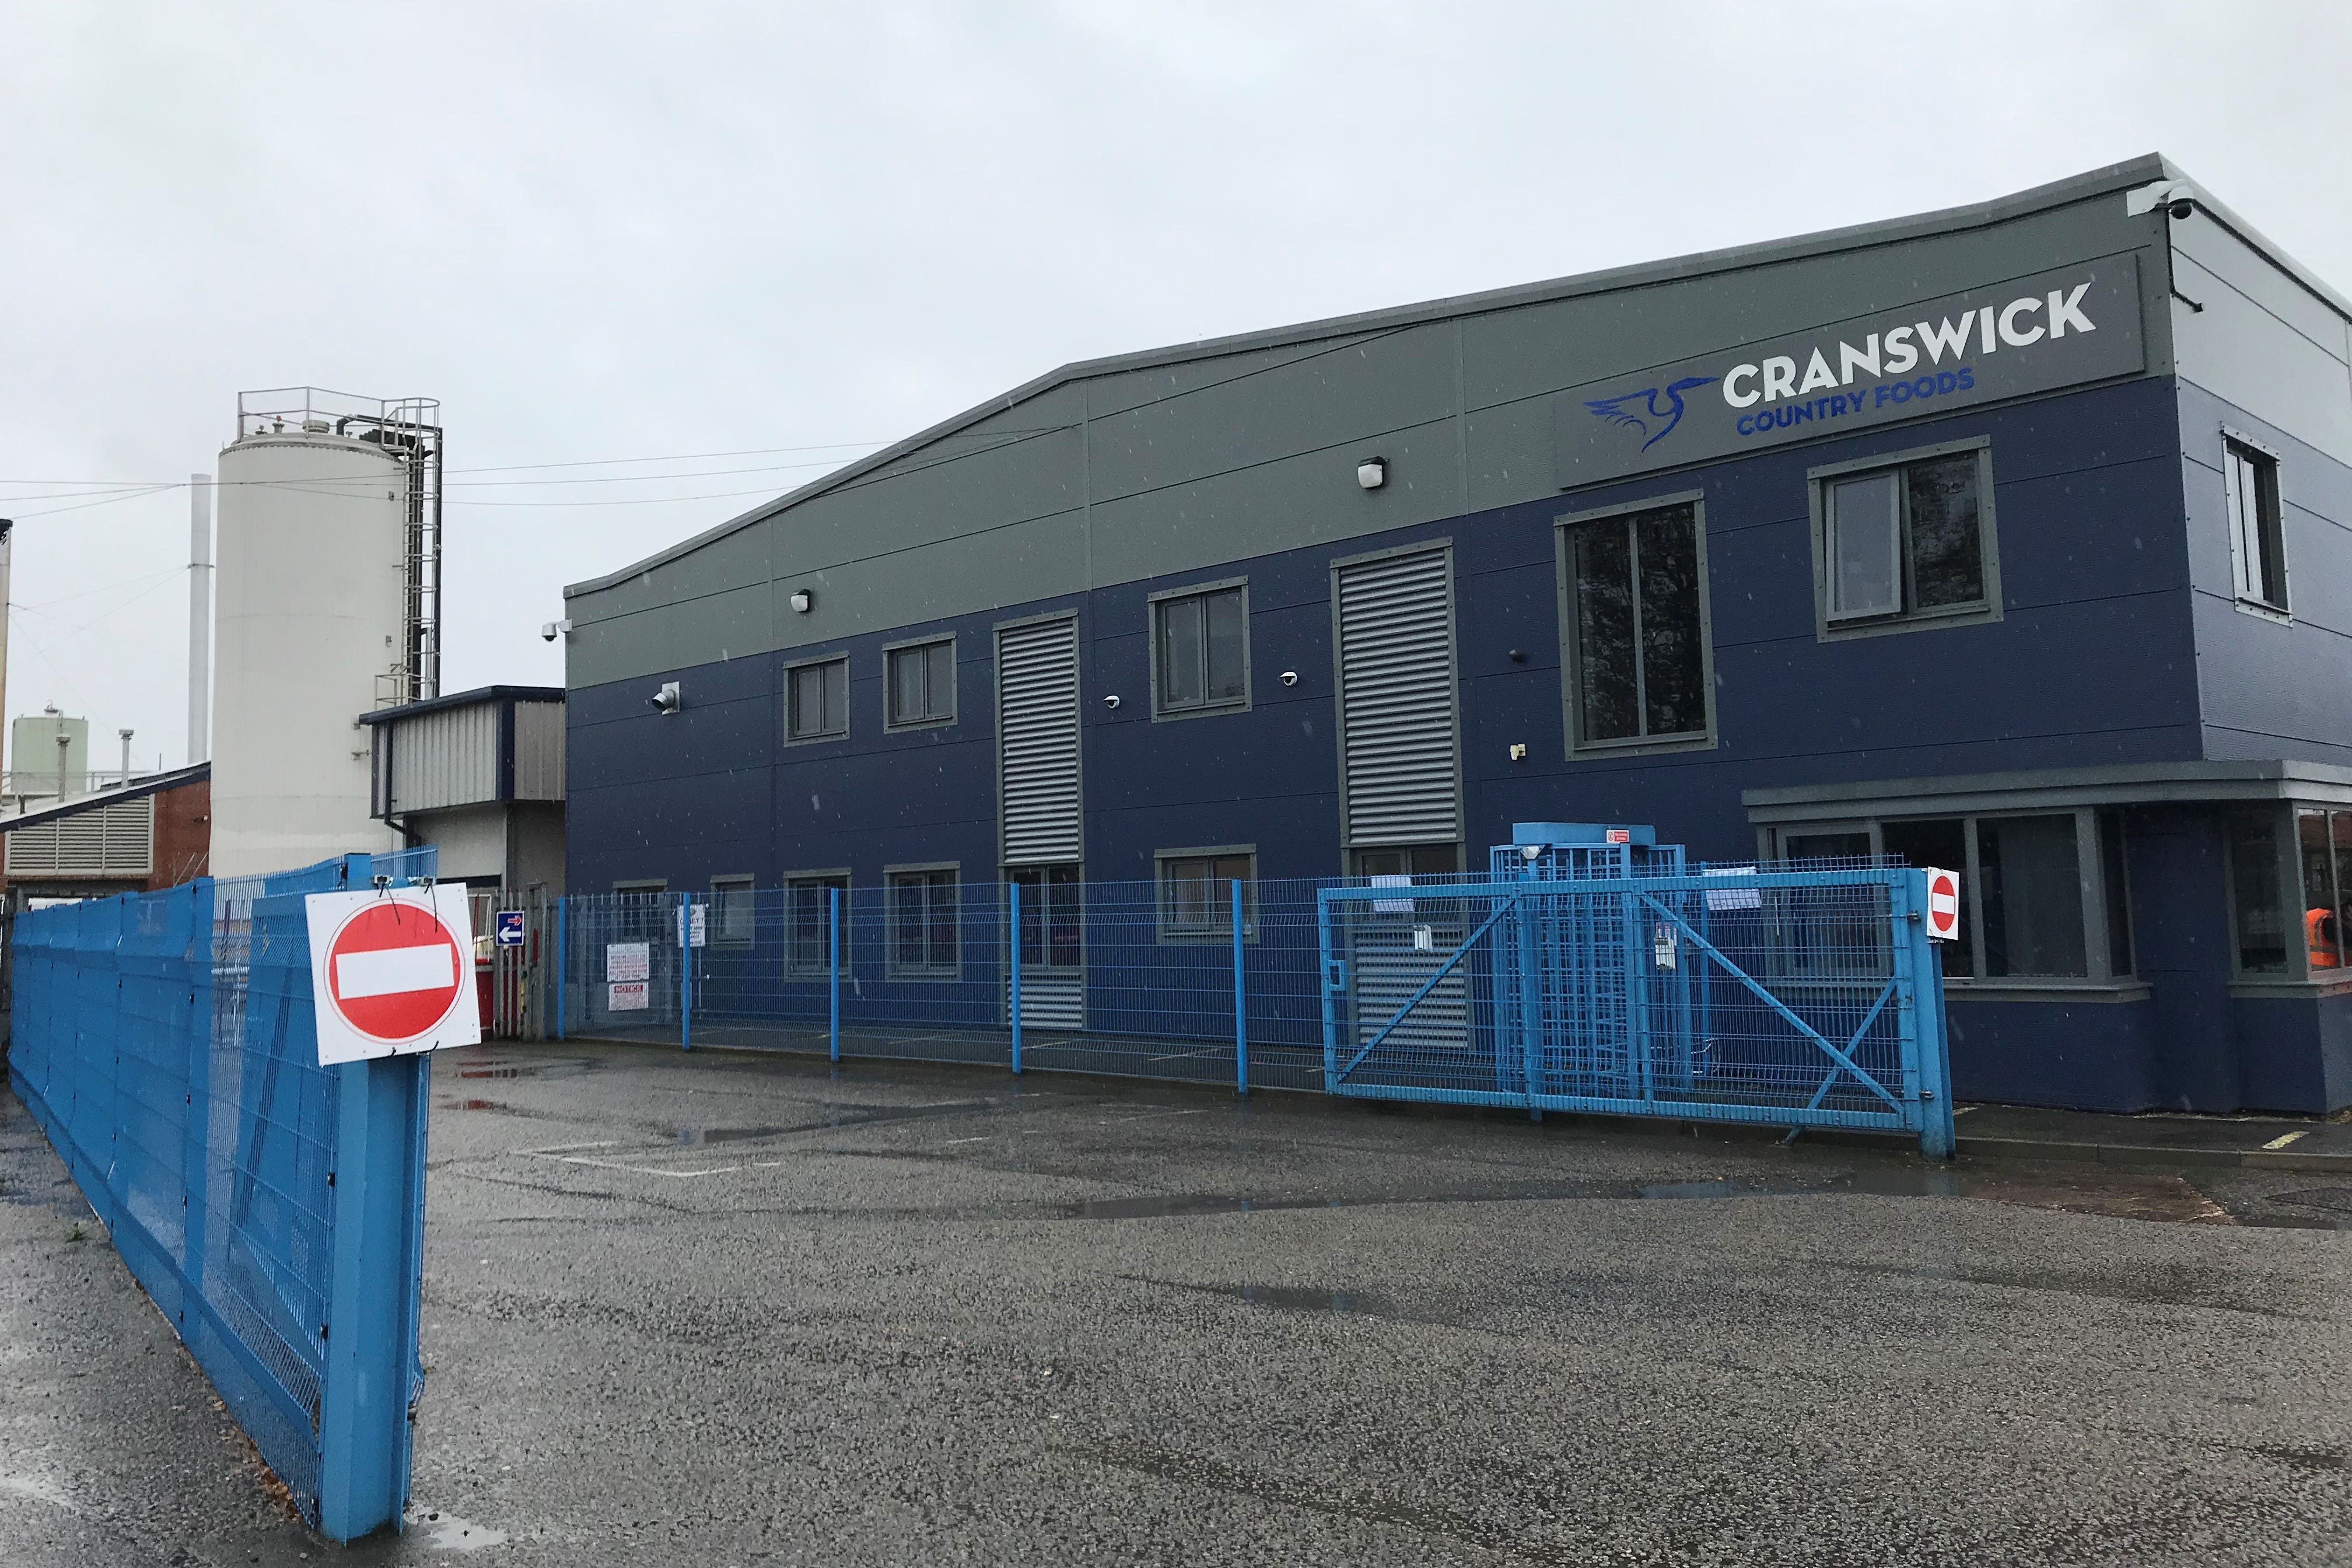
(550, 630)
(2181, 207)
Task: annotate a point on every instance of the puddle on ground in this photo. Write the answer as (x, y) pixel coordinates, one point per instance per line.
(550, 1067)
(1287, 1298)
(446, 1533)
(828, 1118)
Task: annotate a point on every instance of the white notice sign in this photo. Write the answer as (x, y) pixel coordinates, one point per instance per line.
(628, 961)
(625, 996)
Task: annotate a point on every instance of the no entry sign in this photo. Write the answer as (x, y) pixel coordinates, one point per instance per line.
(1942, 904)
(392, 972)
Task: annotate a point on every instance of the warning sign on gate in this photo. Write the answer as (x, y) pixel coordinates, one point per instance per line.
(1942, 904)
(392, 972)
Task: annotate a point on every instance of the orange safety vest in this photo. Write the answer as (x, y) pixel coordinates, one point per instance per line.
(2320, 939)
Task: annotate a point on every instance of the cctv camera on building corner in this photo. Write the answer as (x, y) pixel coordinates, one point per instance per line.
(550, 630)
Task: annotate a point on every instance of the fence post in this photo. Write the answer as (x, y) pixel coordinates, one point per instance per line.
(198, 952)
(369, 1338)
(832, 911)
(1929, 1071)
(561, 954)
(685, 976)
(1013, 930)
(1323, 987)
(1530, 996)
(1241, 1002)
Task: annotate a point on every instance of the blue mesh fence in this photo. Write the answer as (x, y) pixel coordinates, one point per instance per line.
(165, 1043)
(1603, 980)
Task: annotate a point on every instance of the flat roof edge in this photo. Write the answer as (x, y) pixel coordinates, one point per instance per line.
(2020, 203)
(2156, 780)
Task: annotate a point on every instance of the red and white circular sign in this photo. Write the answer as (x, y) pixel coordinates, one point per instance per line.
(1943, 905)
(394, 969)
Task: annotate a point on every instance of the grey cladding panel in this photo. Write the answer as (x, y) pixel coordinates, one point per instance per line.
(446, 758)
(1037, 742)
(1312, 404)
(1008, 480)
(1005, 566)
(539, 751)
(1399, 730)
(700, 631)
(2241, 351)
(1118, 391)
(1307, 499)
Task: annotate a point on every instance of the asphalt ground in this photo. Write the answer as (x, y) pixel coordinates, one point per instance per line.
(734, 1309)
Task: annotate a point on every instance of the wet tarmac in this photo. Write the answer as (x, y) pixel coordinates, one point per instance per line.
(732, 1310)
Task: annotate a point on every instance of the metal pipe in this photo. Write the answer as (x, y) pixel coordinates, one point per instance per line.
(200, 616)
(126, 756)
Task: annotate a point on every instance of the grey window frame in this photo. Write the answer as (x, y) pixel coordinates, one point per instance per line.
(892, 723)
(930, 974)
(2300, 979)
(2099, 979)
(1985, 611)
(2273, 524)
(1181, 936)
(642, 885)
(786, 697)
(1571, 672)
(1154, 605)
(736, 883)
(792, 966)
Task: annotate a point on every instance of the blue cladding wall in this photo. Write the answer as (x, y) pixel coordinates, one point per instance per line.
(2092, 662)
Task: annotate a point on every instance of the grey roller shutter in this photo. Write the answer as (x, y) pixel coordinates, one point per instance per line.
(1037, 742)
(1399, 762)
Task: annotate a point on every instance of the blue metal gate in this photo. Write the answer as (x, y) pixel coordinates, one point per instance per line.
(1791, 997)
(273, 1208)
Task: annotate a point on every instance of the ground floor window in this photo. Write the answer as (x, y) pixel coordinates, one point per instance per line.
(2044, 894)
(731, 913)
(1052, 920)
(1196, 892)
(924, 940)
(808, 929)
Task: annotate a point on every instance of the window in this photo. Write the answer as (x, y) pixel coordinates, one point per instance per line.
(1635, 627)
(2257, 546)
(2043, 896)
(919, 683)
(2323, 845)
(1196, 892)
(924, 935)
(1053, 932)
(656, 886)
(2257, 894)
(808, 921)
(816, 700)
(1905, 541)
(1199, 651)
(1406, 860)
(733, 916)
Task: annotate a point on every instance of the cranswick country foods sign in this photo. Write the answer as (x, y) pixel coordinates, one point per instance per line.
(2031, 334)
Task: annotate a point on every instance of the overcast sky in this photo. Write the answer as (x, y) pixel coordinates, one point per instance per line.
(630, 231)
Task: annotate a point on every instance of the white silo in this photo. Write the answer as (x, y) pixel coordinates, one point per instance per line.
(325, 563)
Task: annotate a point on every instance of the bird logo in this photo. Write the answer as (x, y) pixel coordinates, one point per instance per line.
(1639, 408)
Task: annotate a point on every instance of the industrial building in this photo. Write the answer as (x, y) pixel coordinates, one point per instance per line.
(479, 775)
(2010, 539)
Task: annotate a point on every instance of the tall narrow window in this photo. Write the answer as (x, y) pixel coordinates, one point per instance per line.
(1053, 925)
(816, 700)
(923, 935)
(920, 683)
(2031, 896)
(2257, 545)
(732, 913)
(808, 921)
(1638, 642)
(1905, 541)
(1201, 651)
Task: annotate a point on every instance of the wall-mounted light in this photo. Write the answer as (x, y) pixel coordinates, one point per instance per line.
(1519, 751)
(1373, 473)
(1290, 677)
(802, 601)
(668, 699)
(1111, 701)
